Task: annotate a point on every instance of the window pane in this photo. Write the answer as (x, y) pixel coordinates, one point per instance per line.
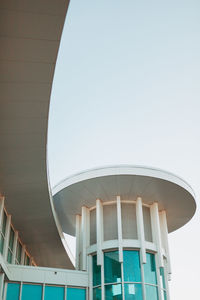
(110, 222)
(97, 293)
(54, 292)
(133, 291)
(4, 223)
(132, 271)
(31, 292)
(129, 224)
(9, 258)
(11, 238)
(13, 291)
(112, 267)
(150, 269)
(113, 292)
(96, 271)
(164, 295)
(162, 275)
(19, 251)
(151, 292)
(75, 293)
(1, 243)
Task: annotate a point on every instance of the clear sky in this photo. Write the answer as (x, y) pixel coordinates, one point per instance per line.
(127, 91)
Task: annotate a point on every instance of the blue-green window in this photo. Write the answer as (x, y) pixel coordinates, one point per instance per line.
(31, 292)
(10, 245)
(150, 269)
(151, 292)
(97, 293)
(54, 293)
(76, 293)
(96, 271)
(133, 291)
(131, 264)
(13, 291)
(113, 292)
(112, 267)
(19, 252)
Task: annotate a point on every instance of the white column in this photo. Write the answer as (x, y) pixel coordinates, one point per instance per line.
(99, 231)
(140, 229)
(164, 232)
(78, 224)
(90, 277)
(155, 223)
(1, 210)
(15, 247)
(7, 236)
(119, 226)
(2, 275)
(85, 229)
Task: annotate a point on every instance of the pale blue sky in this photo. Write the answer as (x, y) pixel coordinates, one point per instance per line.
(127, 90)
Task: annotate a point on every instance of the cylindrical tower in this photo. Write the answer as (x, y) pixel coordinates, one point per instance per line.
(121, 217)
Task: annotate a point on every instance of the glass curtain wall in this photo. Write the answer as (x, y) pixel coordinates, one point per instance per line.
(126, 278)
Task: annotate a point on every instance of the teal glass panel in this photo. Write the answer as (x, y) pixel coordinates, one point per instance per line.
(9, 258)
(133, 291)
(54, 292)
(151, 292)
(75, 293)
(164, 295)
(112, 267)
(150, 269)
(162, 274)
(27, 260)
(13, 291)
(97, 293)
(96, 271)
(113, 292)
(1, 243)
(31, 292)
(132, 270)
(4, 223)
(11, 238)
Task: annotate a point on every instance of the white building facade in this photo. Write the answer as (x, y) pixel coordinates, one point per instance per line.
(121, 217)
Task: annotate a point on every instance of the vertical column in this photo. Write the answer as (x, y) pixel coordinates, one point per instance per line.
(140, 229)
(2, 275)
(119, 226)
(15, 247)
(155, 223)
(90, 274)
(164, 231)
(85, 230)
(7, 235)
(78, 224)
(99, 231)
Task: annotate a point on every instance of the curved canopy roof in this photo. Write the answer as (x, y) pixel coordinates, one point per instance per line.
(171, 192)
(30, 35)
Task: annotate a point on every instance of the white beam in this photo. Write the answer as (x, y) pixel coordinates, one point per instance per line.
(78, 241)
(164, 232)
(155, 223)
(119, 226)
(140, 229)
(99, 231)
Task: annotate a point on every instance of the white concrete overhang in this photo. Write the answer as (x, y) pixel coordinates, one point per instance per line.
(172, 193)
(30, 33)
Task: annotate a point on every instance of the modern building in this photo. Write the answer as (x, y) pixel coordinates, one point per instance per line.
(119, 214)
(121, 217)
